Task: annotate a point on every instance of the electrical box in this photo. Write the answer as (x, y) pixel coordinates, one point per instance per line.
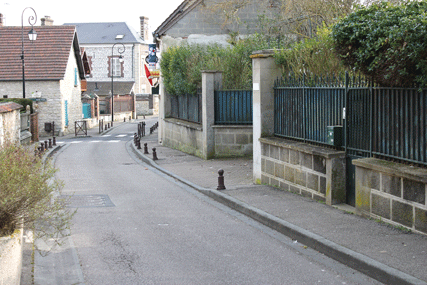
(47, 127)
(335, 135)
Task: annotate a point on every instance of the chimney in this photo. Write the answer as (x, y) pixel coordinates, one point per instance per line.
(1, 20)
(144, 28)
(46, 21)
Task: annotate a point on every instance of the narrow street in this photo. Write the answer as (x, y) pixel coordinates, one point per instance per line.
(135, 225)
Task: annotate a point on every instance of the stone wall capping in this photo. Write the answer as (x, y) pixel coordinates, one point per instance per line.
(187, 124)
(303, 147)
(232, 126)
(211, 71)
(393, 168)
(262, 53)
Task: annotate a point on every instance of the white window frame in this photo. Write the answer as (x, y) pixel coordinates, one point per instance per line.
(116, 67)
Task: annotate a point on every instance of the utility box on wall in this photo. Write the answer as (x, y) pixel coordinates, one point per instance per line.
(335, 136)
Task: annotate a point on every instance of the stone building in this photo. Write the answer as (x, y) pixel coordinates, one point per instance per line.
(53, 73)
(104, 43)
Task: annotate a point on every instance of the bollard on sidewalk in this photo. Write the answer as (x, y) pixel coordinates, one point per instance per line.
(154, 154)
(221, 185)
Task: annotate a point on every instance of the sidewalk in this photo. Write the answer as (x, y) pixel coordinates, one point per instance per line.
(384, 252)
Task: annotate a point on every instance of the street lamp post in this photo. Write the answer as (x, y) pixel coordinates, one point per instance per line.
(121, 49)
(32, 35)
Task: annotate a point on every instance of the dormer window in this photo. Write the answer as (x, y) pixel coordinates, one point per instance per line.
(120, 37)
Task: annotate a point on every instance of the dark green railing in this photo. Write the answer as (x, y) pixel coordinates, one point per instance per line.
(388, 123)
(187, 107)
(233, 107)
(305, 107)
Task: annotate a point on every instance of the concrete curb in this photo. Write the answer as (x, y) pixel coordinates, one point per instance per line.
(348, 257)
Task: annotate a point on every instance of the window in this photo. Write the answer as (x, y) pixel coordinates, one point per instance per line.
(115, 67)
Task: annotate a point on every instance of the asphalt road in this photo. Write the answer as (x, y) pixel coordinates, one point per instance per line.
(135, 225)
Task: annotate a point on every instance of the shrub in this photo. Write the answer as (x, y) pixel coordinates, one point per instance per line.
(27, 190)
(311, 56)
(386, 41)
(182, 65)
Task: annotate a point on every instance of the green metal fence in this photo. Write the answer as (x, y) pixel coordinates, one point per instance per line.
(233, 107)
(379, 122)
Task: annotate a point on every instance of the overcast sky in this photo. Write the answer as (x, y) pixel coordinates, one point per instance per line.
(82, 11)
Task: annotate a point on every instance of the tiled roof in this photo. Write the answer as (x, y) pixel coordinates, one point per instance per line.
(45, 59)
(9, 106)
(105, 33)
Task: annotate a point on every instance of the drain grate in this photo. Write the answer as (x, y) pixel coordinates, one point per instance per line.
(87, 201)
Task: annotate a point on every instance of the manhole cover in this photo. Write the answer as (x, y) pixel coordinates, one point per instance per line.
(87, 201)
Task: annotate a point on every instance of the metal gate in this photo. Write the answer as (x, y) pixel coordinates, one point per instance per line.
(80, 128)
(86, 111)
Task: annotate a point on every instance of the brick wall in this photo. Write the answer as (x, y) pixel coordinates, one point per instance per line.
(392, 192)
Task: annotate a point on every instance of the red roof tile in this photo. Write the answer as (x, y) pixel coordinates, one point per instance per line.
(9, 106)
(45, 59)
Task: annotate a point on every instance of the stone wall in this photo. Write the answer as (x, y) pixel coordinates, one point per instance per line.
(10, 122)
(182, 135)
(233, 140)
(134, 57)
(315, 172)
(99, 57)
(392, 192)
(204, 21)
(143, 104)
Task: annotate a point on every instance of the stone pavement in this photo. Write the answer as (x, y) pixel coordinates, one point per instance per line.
(384, 252)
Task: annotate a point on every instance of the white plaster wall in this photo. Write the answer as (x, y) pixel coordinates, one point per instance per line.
(72, 93)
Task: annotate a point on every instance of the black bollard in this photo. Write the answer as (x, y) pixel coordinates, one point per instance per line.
(221, 185)
(46, 146)
(135, 136)
(50, 143)
(138, 143)
(54, 140)
(146, 148)
(41, 147)
(154, 154)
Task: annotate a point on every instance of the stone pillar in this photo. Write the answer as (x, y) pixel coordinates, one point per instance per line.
(211, 79)
(265, 71)
(164, 111)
